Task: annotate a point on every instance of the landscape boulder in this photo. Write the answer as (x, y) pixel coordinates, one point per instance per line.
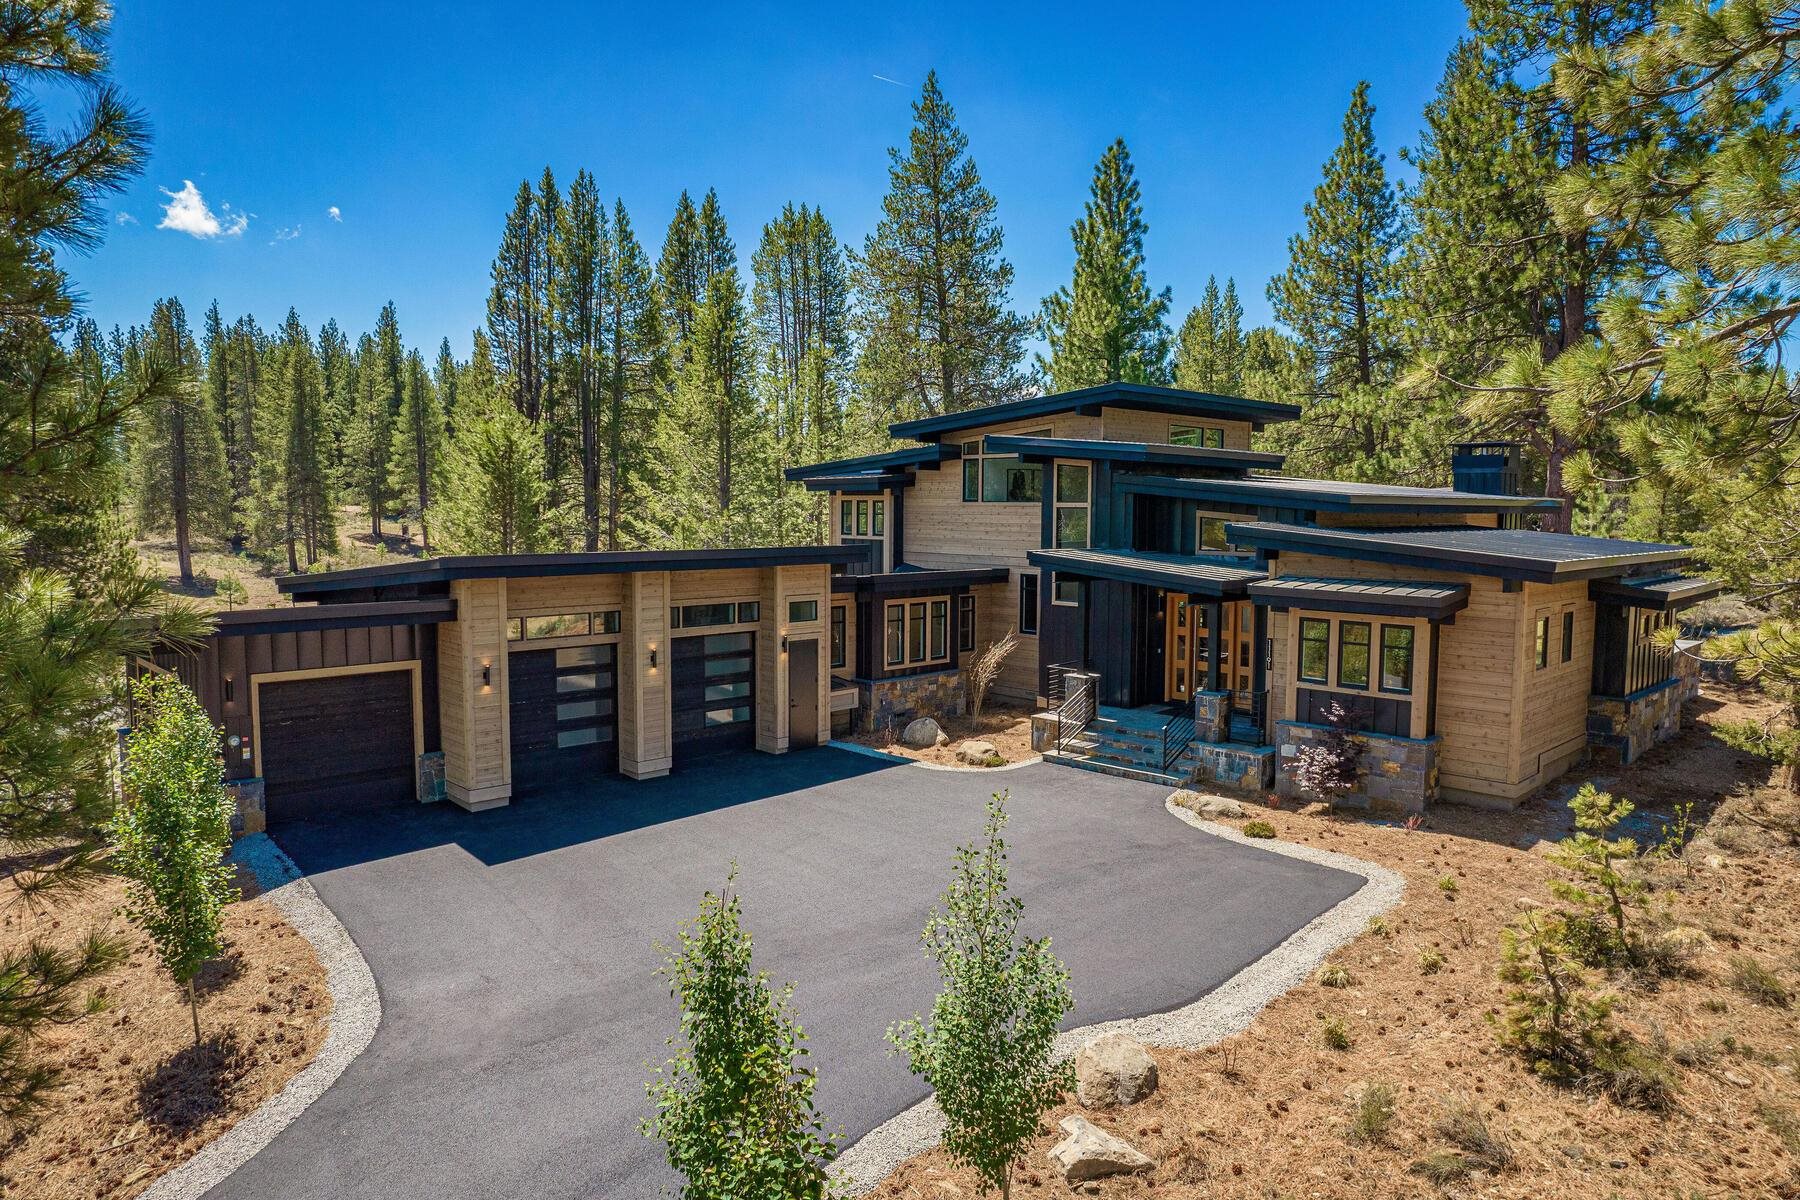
(1203, 805)
(1089, 1152)
(1113, 1069)
(976, 753)
(922, 734)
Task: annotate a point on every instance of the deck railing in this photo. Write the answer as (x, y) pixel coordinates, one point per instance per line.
(1252, 728)
(1177, 736)
(1071, 694)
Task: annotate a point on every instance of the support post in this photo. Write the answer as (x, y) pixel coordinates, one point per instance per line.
(1214, 612)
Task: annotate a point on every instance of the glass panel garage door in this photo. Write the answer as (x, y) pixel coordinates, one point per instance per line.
(714, 705)
(562, 712)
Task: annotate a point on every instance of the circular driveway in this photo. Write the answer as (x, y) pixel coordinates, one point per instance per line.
(514, 950)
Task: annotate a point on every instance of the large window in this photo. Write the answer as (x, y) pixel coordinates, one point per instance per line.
(1209, 436)
(965, 622)
(918, 632)
(801, 611)
(1072, 481)
(1001, 478)
(838, 622)
(700, 616)
(1396, 658)
(1028, 605)
(562, 625)
(1353, 654)
(1210, 538)
(1315, 650)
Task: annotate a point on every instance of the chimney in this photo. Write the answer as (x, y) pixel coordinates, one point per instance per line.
(1487, 468)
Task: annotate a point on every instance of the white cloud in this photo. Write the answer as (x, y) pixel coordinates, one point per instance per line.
(285, 234)
(187, 212)
(335, 213)
(125, 218)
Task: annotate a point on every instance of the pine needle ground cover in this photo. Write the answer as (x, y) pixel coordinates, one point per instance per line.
(1006, 724)
(1273, 1112)
(137, 1098)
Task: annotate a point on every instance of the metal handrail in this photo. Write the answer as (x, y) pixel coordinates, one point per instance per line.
(1075, 690)
(1259, 720)
(1177, 735)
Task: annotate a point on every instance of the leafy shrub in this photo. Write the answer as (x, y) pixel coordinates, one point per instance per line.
(1374, 1115)
(1757, 982)
(1335, 975)
(1328, 767)
(1430, 961)
(1334, 1034)
(1258, 829)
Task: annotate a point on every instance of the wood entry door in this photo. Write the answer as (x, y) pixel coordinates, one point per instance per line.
(1184, 648)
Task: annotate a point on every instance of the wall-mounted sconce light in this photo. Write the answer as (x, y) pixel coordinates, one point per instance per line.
(230, 691)
(784, 643)
(653, 658)
(487, 675)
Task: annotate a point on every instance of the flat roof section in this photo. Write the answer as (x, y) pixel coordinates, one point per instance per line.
(516, 566)
(1157, 453)
(911, 579)
(1519, 554)
(1662, 593)
(1327, 495)
(909, 456)
(1376, 597)
(1188, 573)
(1174, 401)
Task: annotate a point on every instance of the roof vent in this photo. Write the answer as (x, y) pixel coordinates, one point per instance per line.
(1488, 468)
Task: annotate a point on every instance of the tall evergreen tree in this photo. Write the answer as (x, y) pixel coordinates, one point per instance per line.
(446, 376)
(583, 268)
(1107, 325)
(416, 458)
(1340, 296)
(494, 494)
(515, 311)
(932, 286)
(179, 460)
(634, 363)
(337, 378)
(368, 435)
(74, 600)
(1209, 352)
(681, 274)
(298, 509)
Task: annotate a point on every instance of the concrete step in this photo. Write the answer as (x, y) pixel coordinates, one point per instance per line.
(1123, 771)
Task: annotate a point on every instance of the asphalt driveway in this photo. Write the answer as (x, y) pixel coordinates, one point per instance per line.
(514, 951)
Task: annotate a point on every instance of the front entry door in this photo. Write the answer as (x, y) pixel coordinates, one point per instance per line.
(1184, 648)
(803, 694)
(1181, 619)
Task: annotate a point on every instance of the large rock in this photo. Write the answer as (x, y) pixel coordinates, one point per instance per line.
(1113, 1069)
(1203, 805)
(976, 753)
(1089, 1152)
(922, 734)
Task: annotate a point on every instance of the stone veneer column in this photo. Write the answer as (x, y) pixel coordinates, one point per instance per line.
(643, 690)
(1212, 716)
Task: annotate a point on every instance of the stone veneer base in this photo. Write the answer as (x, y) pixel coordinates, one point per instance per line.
(901, 699)
(1620, 729)
(1395, 772)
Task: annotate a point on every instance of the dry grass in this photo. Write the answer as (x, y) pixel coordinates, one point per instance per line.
(1272, 1112)
(138, 1097)
(1006, 723)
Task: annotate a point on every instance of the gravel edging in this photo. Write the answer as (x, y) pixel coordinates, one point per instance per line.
(870, 751)
(1226, 1010)
(355, 1014)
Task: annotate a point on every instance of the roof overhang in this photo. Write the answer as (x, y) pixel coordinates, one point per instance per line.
(1662, 593)
(1515, 554)
(1186, 573)
(1321, 496)
(865, 483)
(1152, 453)
(918, 457)
(517, 566)
(1372, 597)
(1089, 401)
(242, 622)
(915, 581)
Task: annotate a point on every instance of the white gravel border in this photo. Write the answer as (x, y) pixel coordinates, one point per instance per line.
(355, 1013)
(859, 748)
(1226, 1010)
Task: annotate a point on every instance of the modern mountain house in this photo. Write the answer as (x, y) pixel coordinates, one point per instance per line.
(1184, 612)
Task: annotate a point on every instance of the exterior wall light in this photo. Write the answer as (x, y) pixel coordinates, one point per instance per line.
(653, 658)
(487, 675)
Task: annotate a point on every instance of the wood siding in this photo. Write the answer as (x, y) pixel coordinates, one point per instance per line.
(477, 759)
(644, 691)
(1136, 425)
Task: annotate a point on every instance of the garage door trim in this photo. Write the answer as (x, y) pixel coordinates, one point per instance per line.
(411, 664)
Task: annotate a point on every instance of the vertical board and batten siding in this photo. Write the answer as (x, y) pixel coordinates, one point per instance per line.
(1136, 425)
(242, 658)
(1480, 691)
(1553, 721)
(644, 691)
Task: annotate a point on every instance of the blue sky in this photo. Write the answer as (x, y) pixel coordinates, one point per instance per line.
(416, 123)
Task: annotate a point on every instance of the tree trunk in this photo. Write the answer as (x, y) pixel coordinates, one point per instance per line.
(194, 1010)
(179, 486)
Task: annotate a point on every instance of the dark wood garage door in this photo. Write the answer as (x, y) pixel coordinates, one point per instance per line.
(334, 744)
(562, 711)
(714, 705)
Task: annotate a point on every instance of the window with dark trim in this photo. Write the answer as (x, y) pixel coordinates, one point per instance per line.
(1315, 650)
(918, 632)
(1066, 592)
(1028, 605)
(1002, 478)
(1396, 658)
(1568, 646)
(971, 469)
(1210, 536)
(877, 517)
(965, 622)
(862, 518)
(1543, 642)
(1210, 436)
(1353, 654)
(701, 616)
(839, 620)
(896, 633)
(846, 517)
(1072, 483)
(803, 610)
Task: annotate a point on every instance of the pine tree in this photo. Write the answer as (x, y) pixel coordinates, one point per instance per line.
(1209, 352)
(515, 312)
(178, 458)
(297, 504)
(932, 287)
(74, 600)
(583, 267)
(681, 276)
(635, 367)
(337, 379)
(494, 493)
(234, 358)
(446, 376)
(368, 435)
(416, 457)
(1107, 326)
(1340, 296)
